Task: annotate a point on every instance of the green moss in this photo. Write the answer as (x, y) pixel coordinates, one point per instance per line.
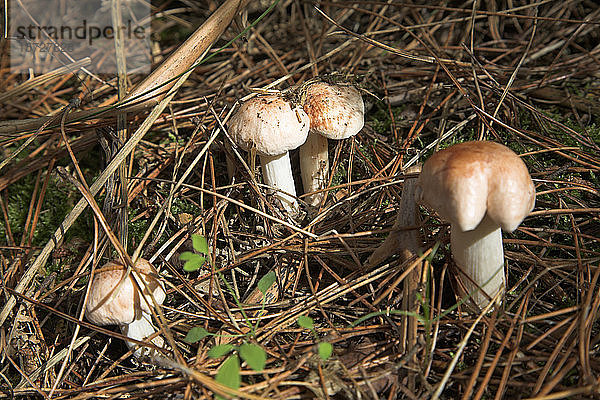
(566, 138)
(137, 229)
(58, 202)
(59, 199)
(568, 301)
(571, 378)
(339, 176)
(365, 152)
(185, 205)
(379, 117)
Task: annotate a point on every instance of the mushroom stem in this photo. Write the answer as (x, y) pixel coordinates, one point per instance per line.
(404, 238)
(277, 173)
(314, 167)
(140, 329)
(479, 254)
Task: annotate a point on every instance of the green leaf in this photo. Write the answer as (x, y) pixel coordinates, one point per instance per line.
(196, 334)
(305, 322)
(200, 244)
(266, 282)
(229, 373)
(254, 355)
(193, 261)
(325, 350)
(219, 350)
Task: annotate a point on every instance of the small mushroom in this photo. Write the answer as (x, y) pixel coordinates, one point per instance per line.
(336, 112)
(272, 126)
(481, 188)
(111, 302)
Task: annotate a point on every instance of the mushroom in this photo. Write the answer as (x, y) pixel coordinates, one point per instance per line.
(481, 188)
(336, 112)
(112, 302)
(272, 126)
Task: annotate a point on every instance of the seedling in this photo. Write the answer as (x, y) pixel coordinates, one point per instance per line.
(254, 355)
(325, 349)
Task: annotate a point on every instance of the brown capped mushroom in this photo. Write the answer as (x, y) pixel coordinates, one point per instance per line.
(336, 112)
(481, 188)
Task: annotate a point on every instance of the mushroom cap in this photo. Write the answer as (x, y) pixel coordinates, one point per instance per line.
(104, 308)
(335, 111)
(270, 124)
(466, 180)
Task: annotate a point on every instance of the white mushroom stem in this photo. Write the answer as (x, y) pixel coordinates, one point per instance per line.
(277, 173)
(479, 254)
(140, 329)
(314, 167)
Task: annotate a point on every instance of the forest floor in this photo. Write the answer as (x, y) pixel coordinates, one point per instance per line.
(431, 76)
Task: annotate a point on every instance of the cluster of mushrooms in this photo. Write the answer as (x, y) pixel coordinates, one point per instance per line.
(272, 125)
(480, 187)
